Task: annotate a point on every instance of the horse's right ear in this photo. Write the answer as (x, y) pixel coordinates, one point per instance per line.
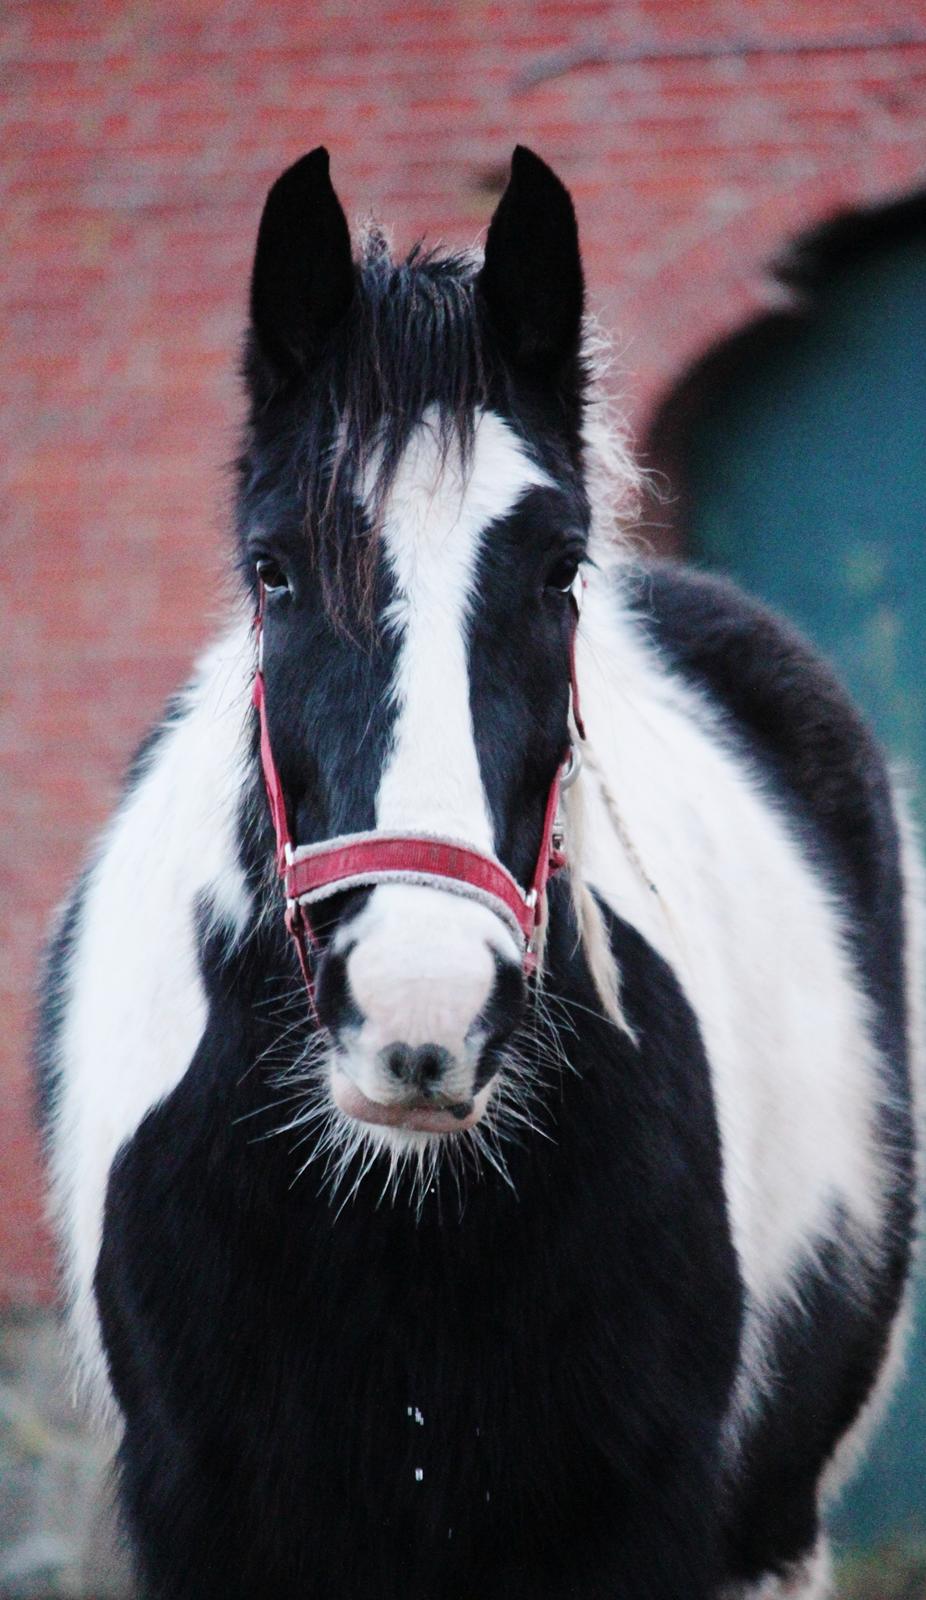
(531, 281)
(303, 277)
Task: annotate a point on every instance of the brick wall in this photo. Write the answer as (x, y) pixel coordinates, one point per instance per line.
(138, 141)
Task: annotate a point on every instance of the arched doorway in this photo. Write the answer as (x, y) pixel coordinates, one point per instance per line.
(796, 456)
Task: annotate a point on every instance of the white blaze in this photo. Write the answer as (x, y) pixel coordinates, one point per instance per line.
(422, 968)
(433, 531)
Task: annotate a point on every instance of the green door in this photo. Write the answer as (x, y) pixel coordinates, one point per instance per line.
(802, 462)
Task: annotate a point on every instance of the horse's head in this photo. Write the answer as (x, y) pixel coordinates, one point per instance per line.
(412, 502)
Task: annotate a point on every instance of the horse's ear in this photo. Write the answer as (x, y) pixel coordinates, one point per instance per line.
(303, 277)
(532, 281)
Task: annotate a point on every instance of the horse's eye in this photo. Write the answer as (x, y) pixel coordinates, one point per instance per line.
(272, 576)
(562, 575)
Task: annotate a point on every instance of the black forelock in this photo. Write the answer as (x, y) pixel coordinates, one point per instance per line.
(414, 342)
(414, 346)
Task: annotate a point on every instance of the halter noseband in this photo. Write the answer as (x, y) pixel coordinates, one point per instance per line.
(313, 872)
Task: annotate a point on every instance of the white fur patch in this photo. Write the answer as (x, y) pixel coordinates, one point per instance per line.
(852, 1446)
(808, 1580)
(756, 943)
(433, 532)
(136, 1009)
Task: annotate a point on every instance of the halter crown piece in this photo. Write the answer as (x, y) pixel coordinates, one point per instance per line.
(314, 872)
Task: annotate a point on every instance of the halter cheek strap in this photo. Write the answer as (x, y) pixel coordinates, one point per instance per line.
(312, 873)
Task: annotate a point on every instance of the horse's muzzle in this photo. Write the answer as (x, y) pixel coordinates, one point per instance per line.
(419, 1004)
(418, 1114)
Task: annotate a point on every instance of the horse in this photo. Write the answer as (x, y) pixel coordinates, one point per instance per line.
(478, 1061)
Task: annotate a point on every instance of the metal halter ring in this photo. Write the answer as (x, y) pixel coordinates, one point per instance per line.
(571, 768)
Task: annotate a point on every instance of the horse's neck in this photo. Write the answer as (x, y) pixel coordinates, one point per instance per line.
(637, 719)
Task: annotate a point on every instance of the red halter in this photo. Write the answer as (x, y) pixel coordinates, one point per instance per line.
(312, 872)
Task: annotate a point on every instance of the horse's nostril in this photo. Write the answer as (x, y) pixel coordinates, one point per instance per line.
(428, 1064)
(420, 1067)
(396, 1060)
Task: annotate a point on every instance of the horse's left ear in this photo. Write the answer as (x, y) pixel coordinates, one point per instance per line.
(531, 281)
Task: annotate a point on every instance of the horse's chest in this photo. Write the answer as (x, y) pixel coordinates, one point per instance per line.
(361, 1386)
(367, 1390)
(417, 1363)
(436, 1391)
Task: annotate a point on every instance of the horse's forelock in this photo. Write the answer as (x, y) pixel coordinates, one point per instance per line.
(410, 348)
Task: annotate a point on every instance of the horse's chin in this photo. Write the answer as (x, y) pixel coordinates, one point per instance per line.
(418, 1116)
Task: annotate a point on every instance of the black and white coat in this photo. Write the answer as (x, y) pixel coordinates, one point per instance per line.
(622, 1338)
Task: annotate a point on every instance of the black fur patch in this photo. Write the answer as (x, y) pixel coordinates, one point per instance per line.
(519, 646)
(54, 993)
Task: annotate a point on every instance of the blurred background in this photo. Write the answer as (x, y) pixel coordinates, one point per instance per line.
(748, 178)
